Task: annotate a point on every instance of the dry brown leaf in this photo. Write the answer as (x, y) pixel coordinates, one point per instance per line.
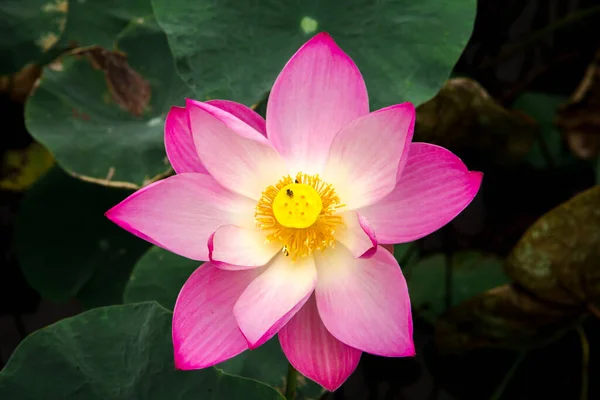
(505, 317)
(19, 85)
(464, 118)
(556, 272)
(127, 87)
(558, 258)
(579, 118)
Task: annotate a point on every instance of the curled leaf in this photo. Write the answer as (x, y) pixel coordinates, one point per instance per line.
(557, 257)
(505, 317)
(19, 85)
(579, 119)
(466, 119)
(22, 167)
(555, 267)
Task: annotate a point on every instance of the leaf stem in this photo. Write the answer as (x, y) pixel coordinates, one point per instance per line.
(290, 384)
(508, 377)
(585, 361)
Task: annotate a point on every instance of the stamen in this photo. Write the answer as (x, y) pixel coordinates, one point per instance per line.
(305, 228)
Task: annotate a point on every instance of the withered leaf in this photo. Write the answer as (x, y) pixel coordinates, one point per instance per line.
(557, 278)
(503, 317)
(127, 87)
(558, 257)
(579, 118)
(464, 118)
(20, 168)
(20, 84)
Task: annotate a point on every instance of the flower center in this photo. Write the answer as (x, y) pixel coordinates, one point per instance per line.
(300, 214)
(297, 206)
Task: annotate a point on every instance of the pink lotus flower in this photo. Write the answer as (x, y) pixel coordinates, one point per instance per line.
(289, 213)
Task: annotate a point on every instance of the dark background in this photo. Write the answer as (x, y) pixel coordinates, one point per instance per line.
(517, 46)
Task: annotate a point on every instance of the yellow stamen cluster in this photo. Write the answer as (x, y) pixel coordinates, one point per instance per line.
(299, 213)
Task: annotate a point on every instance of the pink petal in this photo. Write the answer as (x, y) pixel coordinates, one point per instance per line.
(273, 298)
(243, 112)
(356, 235)
(205, 332)
(365, 155)
(231, 121)
(233, 247)
(179, 144)
(364, 302)
(318, 91)
(313, 351)
(435, 186)
(242, 160)
(181, 212)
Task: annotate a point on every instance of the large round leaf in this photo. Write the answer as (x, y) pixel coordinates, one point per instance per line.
(115, 353)
(234, 49)
(67, 247)
(29, 29)
(99, 22)
(159, 275)
(37, 30)
(102, 113)
(269, 365)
